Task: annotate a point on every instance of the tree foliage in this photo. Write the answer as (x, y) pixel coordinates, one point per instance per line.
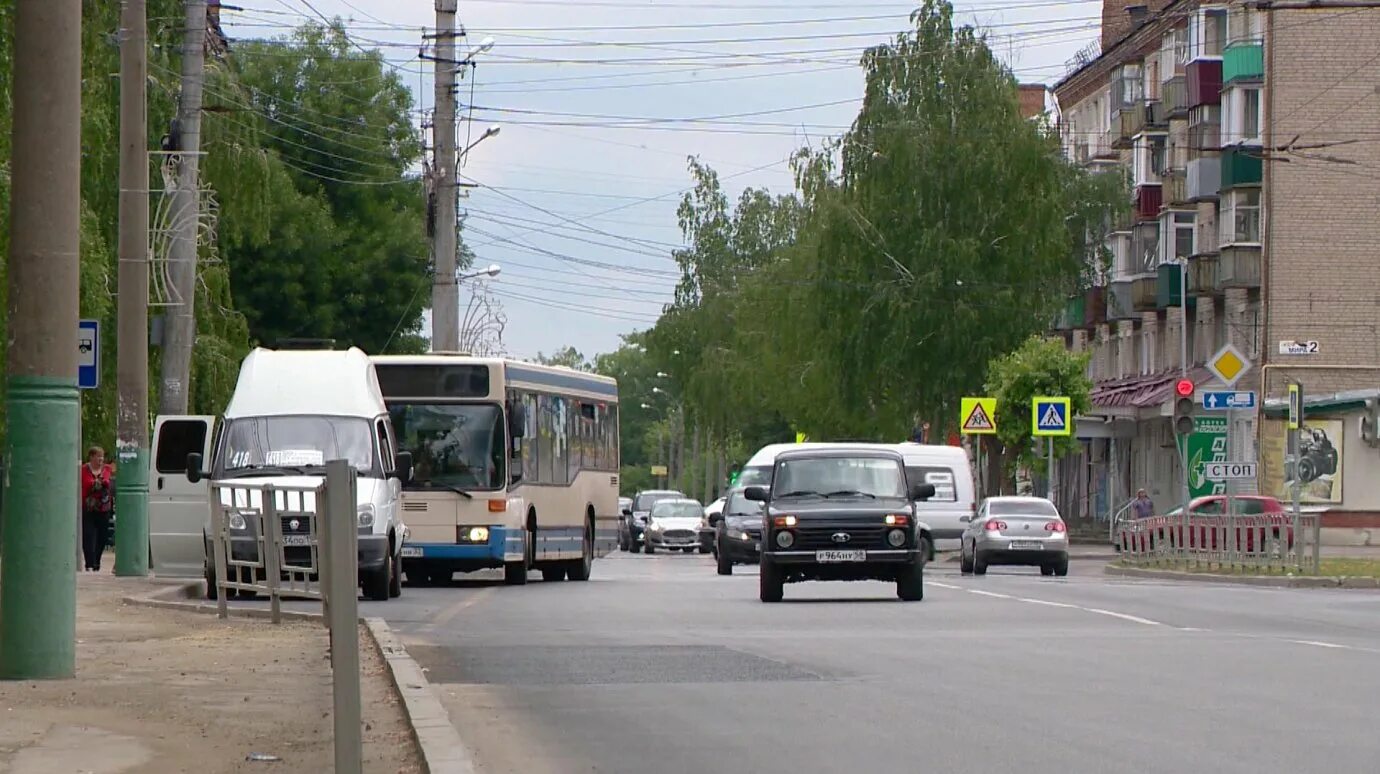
(1041, 367)
(567, 357)
(938, 234)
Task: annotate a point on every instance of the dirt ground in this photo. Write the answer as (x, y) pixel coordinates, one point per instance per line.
(172, 691)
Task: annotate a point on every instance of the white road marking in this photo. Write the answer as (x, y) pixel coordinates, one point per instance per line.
(1315, 643)
(1123, 616)
(991, 594)
(1050, 604)
(941, 585)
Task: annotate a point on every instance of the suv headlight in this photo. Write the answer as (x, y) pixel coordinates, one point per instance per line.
(237, 522)
(738, 534)
(366, 516)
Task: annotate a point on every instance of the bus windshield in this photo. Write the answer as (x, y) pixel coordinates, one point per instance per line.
(453, 445)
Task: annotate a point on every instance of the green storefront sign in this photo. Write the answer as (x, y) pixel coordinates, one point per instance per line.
(1208, 443)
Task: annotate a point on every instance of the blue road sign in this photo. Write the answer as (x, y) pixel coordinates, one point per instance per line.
(1226, 400)
(88, 354)
(1050, 416)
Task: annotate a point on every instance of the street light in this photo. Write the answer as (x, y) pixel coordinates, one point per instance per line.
(491, 271)
(490, 132)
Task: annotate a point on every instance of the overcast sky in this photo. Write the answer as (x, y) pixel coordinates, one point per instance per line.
(578, 192)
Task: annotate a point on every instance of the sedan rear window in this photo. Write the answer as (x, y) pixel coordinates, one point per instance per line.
(1022, 508)
(941, 477)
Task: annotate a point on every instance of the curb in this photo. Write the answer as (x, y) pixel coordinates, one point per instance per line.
(190, 597)
(1270, 581)
(443, 751)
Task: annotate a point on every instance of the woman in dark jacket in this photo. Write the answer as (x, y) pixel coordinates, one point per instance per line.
(97, 504)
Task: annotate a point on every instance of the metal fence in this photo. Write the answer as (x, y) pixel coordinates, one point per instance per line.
(1257, 542)
(302, 542)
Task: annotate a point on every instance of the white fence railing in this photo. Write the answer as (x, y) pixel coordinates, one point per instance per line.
(1270, 541)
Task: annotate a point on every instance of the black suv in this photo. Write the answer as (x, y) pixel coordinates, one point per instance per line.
(840, 515)
(737, 532)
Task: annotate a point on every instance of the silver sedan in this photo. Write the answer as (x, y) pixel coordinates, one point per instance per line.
(1016, 531)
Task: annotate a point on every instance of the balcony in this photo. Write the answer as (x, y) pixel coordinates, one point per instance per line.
(1168, 287)
(1154, 115)
(1239, 267)
(1176, 186)
(1119, 306)
(1073, 313)
(1243, 62)
(1126, 122)
(1241, 166)
(1176, 97)
(1144, 294)
(1094, 306)
(1204, 179)
(1204, 78)
(1203, 278)
(1148, 200)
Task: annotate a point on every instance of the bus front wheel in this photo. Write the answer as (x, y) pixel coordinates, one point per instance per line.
(579, 569)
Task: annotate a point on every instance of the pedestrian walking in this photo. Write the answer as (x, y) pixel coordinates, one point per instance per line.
(1143, 506)
(97, 505)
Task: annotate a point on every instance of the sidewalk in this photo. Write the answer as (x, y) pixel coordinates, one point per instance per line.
(172, 691)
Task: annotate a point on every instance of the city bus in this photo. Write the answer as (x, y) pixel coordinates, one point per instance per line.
(515, 466)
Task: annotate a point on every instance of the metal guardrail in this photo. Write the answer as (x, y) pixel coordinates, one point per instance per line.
(1261, 542)
(317, 557)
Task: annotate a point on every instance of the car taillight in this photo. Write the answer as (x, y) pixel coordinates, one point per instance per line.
(993, 526)
(1056, 526)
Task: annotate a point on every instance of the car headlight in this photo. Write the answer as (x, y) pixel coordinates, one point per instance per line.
(366, 516)
(478, 534)
(785, 539)
(896, 537)
(738, 534)
(237, 521)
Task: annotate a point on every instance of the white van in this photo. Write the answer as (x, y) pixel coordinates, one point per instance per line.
(944, 517)
(292, 411)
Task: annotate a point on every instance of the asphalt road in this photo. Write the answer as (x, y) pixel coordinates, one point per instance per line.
(659, 665)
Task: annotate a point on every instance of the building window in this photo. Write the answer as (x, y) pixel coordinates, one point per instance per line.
(1208, 33)
(1178, 236)
(1240, 217)
(1243, 116)
(1244, 25)
(1149, 159)
(1181, 48)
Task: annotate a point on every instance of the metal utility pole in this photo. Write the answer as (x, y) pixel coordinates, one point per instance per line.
(180, 332)
(445, 298)
(38, 593)
(132, 364)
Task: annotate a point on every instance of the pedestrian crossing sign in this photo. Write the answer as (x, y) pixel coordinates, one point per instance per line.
(1050, 416)
(977, 416)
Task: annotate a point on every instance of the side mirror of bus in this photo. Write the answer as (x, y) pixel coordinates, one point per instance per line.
(194, 472)
(402, 466)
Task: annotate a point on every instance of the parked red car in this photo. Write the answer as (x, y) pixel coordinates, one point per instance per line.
(1207, 519)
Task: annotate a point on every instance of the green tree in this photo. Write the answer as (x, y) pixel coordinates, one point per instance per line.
(341, 252)
(1041, 367)
(567, 357)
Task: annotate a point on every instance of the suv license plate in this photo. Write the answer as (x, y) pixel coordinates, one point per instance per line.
(1026, 545)
(413, 551)
(840, 556)
(296, 540)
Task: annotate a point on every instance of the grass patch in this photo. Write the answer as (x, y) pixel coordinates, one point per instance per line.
(1331, 568)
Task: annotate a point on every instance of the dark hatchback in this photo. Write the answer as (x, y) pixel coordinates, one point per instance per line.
(737, 532)
(840, 515)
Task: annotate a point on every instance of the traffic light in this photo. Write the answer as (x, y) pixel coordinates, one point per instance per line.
(1183, 407)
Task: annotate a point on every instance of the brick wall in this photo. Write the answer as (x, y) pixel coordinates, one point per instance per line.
(1127, 348)
(1032, 98)
(1117, 23)
(1205, 342)
(1323, 241)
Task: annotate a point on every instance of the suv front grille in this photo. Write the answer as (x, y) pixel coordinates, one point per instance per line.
(819, 538)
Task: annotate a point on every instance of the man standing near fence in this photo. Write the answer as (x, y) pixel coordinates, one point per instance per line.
(1143, 507)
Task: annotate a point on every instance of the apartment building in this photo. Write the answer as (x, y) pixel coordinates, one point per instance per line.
(1250, 135)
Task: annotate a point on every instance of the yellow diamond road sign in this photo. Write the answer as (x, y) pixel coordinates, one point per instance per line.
(977, 416)
(1228, 365)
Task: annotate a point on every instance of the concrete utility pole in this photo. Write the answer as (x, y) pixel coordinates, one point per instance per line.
(38, 592)
(445, 298)
(180, 331)
(132, 364)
